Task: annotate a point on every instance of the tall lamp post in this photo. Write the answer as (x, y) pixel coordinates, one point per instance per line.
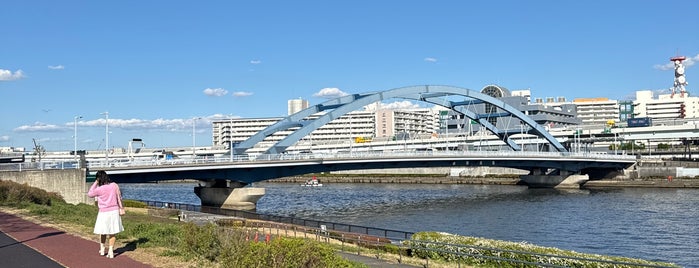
(230, 135)
(106, 137)
(75, 138)
(521, 138)
(194, 136)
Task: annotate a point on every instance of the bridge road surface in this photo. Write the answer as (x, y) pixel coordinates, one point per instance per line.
(27, 244)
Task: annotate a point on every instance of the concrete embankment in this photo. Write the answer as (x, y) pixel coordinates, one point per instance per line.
(648, 183)
(407, 180)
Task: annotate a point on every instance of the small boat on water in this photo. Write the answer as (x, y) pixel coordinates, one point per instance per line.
(312, 183)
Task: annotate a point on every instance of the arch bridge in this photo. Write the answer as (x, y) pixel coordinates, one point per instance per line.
(223, 180)
(466, 100)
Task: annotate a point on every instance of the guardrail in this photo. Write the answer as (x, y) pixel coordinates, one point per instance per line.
(113, 162)
(341, 227)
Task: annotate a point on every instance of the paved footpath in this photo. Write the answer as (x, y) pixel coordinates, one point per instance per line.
(27, 244)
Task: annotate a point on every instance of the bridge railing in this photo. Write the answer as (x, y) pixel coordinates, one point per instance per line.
(145, 162)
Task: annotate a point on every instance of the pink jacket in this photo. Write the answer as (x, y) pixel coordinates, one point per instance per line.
(107, 196)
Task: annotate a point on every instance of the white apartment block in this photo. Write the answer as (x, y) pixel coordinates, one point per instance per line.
(406, 123)
(354, 127)
(600, 111)
(597, 111)
(296, 105)
(665, 106)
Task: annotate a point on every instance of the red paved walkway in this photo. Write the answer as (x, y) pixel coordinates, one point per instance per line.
(65, 249)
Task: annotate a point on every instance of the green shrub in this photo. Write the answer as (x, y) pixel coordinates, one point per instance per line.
(201, 241)
(449, 247)
(153, 234)
(134, 204)
(15, 194)
(283, 252)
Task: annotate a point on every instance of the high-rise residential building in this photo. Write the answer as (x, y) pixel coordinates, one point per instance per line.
(406, 123)
(666, 106)
(296, 105)
(597, 111)
(355, 127)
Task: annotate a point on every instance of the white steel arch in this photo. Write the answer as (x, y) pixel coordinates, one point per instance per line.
(427, 93)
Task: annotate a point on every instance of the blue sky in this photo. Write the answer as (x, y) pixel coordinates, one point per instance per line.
(156, 65)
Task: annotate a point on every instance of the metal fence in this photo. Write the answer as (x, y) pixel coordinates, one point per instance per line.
(362, 240)
(394, 235)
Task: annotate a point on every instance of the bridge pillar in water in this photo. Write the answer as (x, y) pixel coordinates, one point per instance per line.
(563, 180)
(229, 195)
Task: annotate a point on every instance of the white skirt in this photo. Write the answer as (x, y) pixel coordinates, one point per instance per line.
(108, 223)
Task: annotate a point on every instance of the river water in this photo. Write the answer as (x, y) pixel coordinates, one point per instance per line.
(652, 224)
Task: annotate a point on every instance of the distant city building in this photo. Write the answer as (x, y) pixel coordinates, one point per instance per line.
(556, 115)
(666, 106)
(407, 123)
(626, 110)
(597, 111)
(526, 93)
(296, 105)
(377, 124)
(354, 127)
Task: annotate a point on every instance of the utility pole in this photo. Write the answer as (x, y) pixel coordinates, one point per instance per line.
(75, 139)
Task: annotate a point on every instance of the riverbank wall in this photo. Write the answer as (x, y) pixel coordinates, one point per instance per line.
(69, 183)
(441, 179)
(434, 179)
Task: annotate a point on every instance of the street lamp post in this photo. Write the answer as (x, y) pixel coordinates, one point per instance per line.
(194, 137)
(521, 137)
(231, 137)
(75, 138)
(106, 137)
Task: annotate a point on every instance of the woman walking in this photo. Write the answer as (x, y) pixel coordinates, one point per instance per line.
(108, 222)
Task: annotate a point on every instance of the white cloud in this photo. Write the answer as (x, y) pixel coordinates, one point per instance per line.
(671, 66)
(255, 61)
(56, 67)
(397, 105)
(40, 127)
(203, 124)
(5, 138)
(7, 75)
(430, 59)
(691, 61)
(216, 92)
(242, 94)
(330, 93)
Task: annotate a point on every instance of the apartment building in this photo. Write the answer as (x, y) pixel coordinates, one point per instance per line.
(597, 111)
(665, 106)
(356, 126)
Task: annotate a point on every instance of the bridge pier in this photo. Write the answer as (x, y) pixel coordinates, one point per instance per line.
(229, 195)
(564, 180)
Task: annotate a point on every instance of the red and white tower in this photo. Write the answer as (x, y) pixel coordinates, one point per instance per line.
(680, 80)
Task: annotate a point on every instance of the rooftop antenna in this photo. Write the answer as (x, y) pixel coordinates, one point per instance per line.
(680, 80)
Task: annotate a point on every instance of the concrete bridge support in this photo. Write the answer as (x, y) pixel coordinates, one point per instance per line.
(562, 180)
(229, 195)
